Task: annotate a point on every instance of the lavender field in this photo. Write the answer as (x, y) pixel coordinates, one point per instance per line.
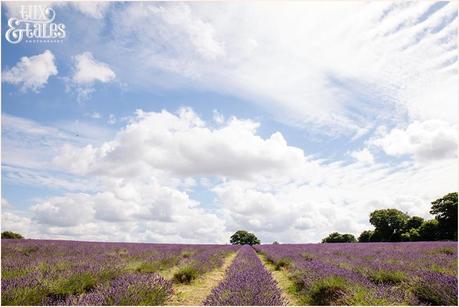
(38, 272)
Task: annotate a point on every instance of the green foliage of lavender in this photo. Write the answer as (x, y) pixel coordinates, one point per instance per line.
(42, 272)
(411, 273)
(247, 283)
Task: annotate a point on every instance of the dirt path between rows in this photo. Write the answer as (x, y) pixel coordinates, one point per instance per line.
(197, 291)
(284, 283)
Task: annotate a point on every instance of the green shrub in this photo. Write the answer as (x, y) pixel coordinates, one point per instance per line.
(147, 268)
(186, 274)
(307, 256)
(28, 251)
(167, 263)
(187, 254)
(430, 295)
(155, 297)
(328, 291)
(76, 284)
(387, 277)
(8, 274)
(445, 250)
(31, 296)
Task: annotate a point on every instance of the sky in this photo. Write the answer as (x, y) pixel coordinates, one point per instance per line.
(184, 122)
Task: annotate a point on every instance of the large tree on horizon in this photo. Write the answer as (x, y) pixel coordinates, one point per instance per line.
(243, 237)
(445, 211)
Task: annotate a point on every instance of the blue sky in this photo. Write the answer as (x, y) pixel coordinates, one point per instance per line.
(183, 122)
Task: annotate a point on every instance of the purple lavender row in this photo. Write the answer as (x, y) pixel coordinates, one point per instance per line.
(203, 262)
(247, 283)
(46, 272)
(128, 289)
(421, 273)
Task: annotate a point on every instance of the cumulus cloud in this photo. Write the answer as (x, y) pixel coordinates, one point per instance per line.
(87, 72)
(159, 213)
(332, 198)
(427, 140)
(64, 211)
(31, 72)
(6, 204)
(260, 184)
(183, 144)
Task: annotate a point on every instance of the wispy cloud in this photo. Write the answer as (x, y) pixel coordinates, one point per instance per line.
(380, 62)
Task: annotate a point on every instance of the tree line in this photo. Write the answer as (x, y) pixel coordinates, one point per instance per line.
(393, 225)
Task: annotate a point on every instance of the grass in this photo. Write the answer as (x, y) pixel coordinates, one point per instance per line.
(429, 295)
(24, 296)
(307, 256)
(7, 274)
(290, 291)
(444, 250)
(387, 277)
(152, 267)
(76, 284)
(186, 274)
(148, 297)
(197, 290)
(282, 263)
(328, 291)
(146, 268)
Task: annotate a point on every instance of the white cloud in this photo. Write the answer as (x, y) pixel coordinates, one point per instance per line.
(333, 198)
(364, 156)
(64, 211)
(183, 144)
(31, 72)
(111, 119)
(152, 211)
(218, 117)
(6, 204)
(88, 70)
(92, 9)
(263, 185)
(138, 185)
(95, 115)
(19, 135)
(427, 140)
(12, 221)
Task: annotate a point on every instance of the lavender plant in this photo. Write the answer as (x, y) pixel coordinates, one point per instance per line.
(413, 273)
(46, 272)
(247, 283)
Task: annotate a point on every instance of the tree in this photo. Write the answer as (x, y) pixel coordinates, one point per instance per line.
(11, 235)
(243, 237)
(429, 230)
(336, 237)
(389, 224)
(366, 236)
(411, 235)
(413, 222)
(445, 211)
(275, 242)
